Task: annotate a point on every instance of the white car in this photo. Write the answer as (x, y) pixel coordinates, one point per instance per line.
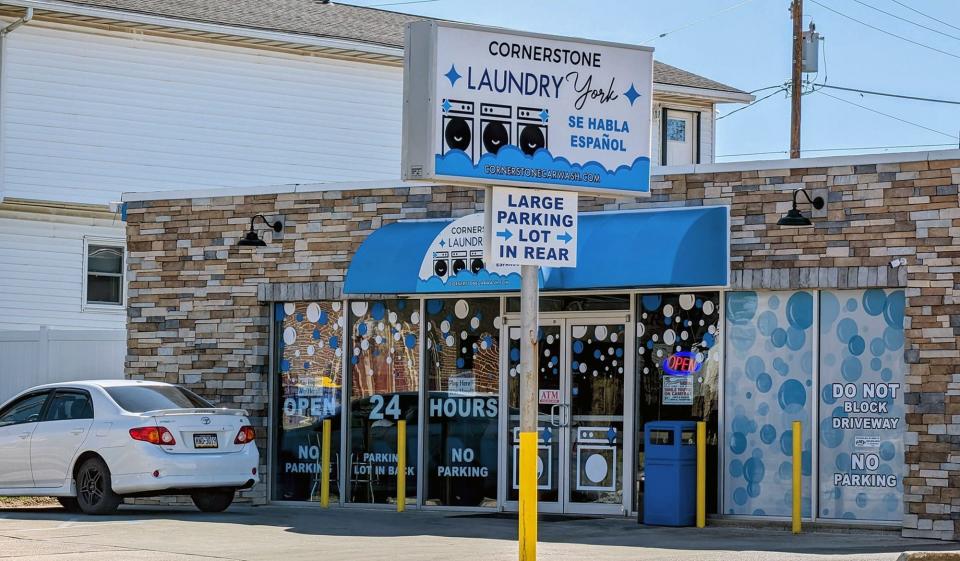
(90, 444)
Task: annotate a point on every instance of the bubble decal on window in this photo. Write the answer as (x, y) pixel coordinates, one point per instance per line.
(767, 387)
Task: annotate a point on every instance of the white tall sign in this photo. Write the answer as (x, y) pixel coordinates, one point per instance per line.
(533, 227)
(487, 106)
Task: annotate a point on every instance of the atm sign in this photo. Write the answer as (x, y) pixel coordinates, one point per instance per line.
(682, 363)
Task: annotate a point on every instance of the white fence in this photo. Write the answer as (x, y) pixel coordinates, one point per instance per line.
(29, 358)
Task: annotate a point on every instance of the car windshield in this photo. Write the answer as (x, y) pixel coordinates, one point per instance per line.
(137, 399)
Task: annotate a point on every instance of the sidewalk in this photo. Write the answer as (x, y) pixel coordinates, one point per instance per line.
(291, 534)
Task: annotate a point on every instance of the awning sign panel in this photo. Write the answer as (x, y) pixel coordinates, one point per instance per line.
(534, 227)
(454, 262)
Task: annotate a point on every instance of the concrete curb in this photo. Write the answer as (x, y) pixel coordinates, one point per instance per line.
(929, 556)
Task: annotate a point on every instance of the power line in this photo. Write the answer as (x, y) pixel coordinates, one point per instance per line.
(836, 149)
(752, 103)
(875, 28)
(885, 94)
(948, 135)
(925, 15)
(766, 88)
(910, 21)
(695, 22)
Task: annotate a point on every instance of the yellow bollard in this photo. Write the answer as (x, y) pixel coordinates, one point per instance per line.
(797, 481)
(701, 474)
(528, 496)
(401, 465)
(325, 465)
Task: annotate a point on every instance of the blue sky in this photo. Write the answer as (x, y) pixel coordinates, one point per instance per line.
(748, 47)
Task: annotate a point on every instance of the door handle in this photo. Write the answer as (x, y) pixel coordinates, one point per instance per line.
(24, 435)
(553, 415)
(77, 431)
(565, 415)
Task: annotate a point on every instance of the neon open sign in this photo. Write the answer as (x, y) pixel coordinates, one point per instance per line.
(682, 363)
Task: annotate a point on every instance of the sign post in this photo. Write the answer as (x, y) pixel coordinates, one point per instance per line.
(529, 326)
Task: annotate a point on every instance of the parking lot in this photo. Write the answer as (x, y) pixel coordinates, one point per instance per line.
(270, 533)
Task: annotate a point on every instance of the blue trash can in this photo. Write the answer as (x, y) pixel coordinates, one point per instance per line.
(670, 473)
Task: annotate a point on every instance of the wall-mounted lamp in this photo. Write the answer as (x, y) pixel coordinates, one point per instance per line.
(252, 239)
(794, 217)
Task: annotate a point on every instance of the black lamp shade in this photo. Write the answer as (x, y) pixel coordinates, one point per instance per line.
(794, 218)
(252, 240)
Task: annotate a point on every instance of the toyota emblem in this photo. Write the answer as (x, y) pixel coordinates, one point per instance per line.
(205, 420)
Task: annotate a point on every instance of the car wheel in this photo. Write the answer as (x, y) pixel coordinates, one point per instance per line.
(212, 501)
(69, 503)
(94, 491)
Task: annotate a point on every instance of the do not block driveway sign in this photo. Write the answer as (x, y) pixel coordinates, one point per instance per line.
(533, 227)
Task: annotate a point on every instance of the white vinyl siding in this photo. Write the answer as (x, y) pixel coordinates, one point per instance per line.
(42, 264)
(88, 115)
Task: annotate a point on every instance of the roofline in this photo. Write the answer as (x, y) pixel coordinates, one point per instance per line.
(238, 31)
(273, 189)
(382, 52)
(818, 162)
(657, 171)
(719, 96)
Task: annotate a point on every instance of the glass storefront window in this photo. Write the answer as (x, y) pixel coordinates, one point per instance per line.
(862, 411)
(384, 388)
(768, 386)
(309, 373)
(678, 369)
(462, 365)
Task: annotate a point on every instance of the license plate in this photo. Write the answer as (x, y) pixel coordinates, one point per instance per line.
(204, 441)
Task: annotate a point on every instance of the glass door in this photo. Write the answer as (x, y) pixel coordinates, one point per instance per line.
(585, 388)
(594, 415)
(550, 388)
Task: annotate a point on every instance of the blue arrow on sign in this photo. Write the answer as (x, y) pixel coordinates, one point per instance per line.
(565, 237)
(505, 234)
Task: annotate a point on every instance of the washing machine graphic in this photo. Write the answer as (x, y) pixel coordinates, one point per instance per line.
(458, 262)
(441, 264)
(532, 129)
(458, 123)
(476, 261)
(494, 127)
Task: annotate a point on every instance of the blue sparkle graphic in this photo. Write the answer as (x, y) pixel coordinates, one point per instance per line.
(453, 75)
(544, 116)
(446, 105)
(632, 94)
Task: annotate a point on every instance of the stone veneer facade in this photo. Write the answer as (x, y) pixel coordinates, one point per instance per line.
(199, 314)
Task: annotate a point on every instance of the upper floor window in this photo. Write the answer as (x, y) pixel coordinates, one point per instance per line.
(104, 267)
(679, 137)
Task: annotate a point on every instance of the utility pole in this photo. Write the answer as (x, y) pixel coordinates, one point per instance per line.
(529, 408)
(795, 90)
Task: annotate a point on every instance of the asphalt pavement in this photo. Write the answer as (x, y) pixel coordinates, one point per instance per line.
(354, 534)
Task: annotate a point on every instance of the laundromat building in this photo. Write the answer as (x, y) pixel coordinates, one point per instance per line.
(689, 304)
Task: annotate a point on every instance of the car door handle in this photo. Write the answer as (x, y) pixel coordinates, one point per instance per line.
(24, 435)
(77, 431)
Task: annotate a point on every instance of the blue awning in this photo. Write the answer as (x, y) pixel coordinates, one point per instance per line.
(683, 247)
